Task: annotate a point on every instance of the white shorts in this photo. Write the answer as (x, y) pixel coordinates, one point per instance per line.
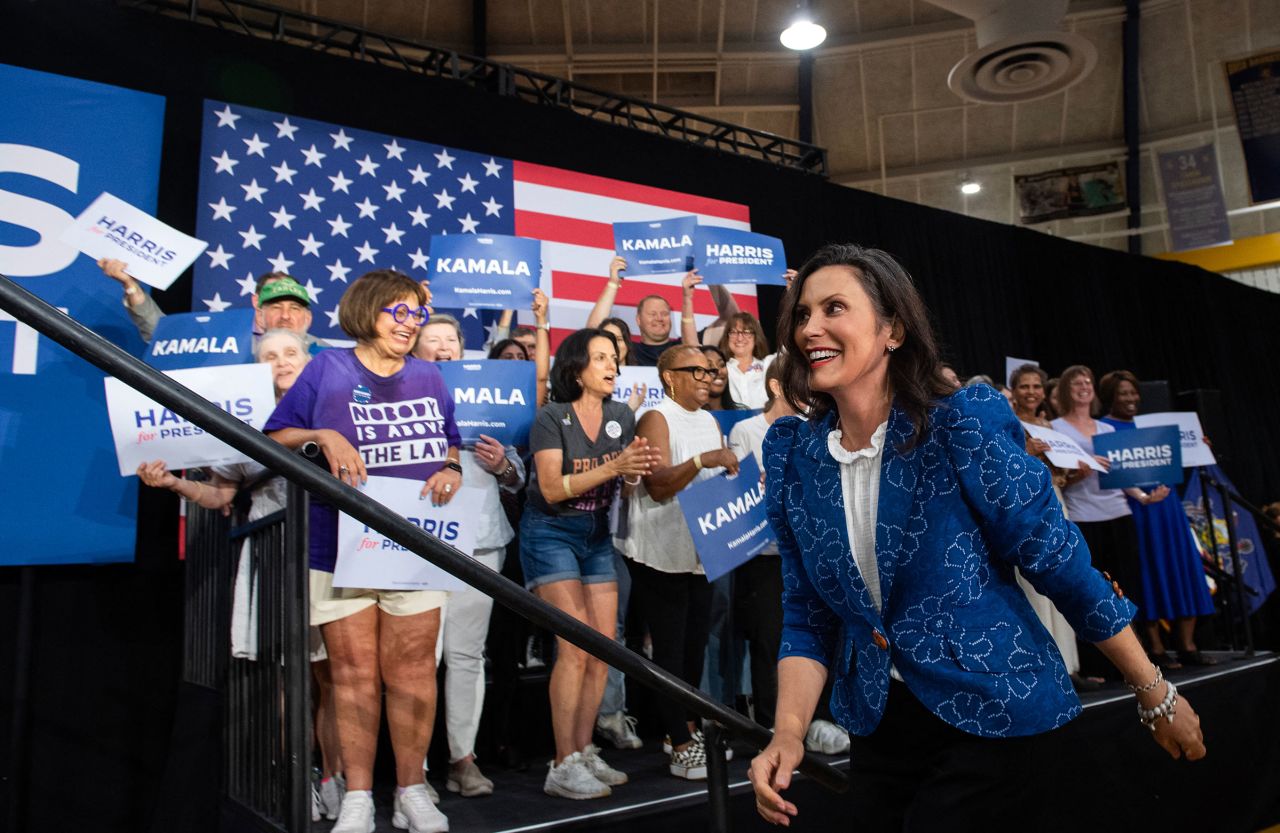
(329, 603)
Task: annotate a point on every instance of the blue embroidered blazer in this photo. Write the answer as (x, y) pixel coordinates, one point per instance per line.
(957, 513)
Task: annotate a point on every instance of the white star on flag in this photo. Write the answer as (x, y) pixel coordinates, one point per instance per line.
(286, 129)
(222, 209)
(333, 315)
(226, 118)
(467, 183)
(341, 140)
(313, 290)
(338, 272)
(366, 253)
(253, 192)
(443, 159)
(340, 183)
(283, 172)
(368, 166)
(492, 208)
(419, 216)
(251, 238)
(280, 263)
(248, 284)
(313, 156)
(283, 218)
(419, 175)
(393, 234)
(419, 259)
(368, 209)
(311, 200)
(310, 245)
(394, 151)
(219, 257)
(492, 168)
(470, 312)
(443, 200)
(468, 224)
(338, 226)
(393, 191)
(491, 332)
(226, 165)
(216, 304)
(255, 146)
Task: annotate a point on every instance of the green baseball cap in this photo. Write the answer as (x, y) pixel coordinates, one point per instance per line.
(283, 288)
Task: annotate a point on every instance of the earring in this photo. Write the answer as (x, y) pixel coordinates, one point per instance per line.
(892, 348)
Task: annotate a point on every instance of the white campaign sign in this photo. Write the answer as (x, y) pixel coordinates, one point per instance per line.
(631, 376)
(1195, 451)
(1011, 364)
(1063, 451)
(144, 431)
(153, 252)
(367, 558)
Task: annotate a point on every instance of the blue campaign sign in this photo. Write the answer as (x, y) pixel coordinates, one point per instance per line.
(728, 419)
(726, 518)
(1141, 457)
(656, 248)
(493, 397)
(727, 255)
(490, 270)
(65, 142)
(202, 339)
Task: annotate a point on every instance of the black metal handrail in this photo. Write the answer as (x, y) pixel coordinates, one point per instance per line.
(265, 20)
(34, 312)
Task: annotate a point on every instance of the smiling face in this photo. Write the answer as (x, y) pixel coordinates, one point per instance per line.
(653, 317)
(1126, 400)
(438, 343)
(286, 314)
(395, 338)
(287, 358)
(690, 390)
(1028, 394)
(721, 380)
(838, 331)
(741, 340)
(1080, 390)
(601, 373)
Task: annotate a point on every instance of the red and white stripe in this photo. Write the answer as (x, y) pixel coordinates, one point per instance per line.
(573, 213)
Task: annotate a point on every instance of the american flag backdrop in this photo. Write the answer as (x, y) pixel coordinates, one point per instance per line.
(327, 203)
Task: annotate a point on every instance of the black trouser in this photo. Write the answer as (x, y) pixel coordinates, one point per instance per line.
(1113, 546)
(757, 618)
(919, 774)
(677, 608)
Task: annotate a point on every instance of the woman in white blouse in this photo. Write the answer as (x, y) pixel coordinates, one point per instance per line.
(747, 350)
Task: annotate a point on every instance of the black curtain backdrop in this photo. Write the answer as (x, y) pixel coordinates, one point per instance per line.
(107, 640)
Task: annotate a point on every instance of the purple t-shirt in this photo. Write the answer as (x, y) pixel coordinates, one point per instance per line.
(402, 425)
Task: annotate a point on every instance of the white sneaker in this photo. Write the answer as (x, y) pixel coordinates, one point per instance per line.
(604, 773)
(415, 812)
(330, 797)
(619, 729)
(826, 737)
(357, 813)
(315, 803)
(696, 734)
(690, 764)
(573, 779)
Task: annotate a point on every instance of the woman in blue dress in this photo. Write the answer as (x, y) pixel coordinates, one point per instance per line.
(1173, 583)
(901, 507)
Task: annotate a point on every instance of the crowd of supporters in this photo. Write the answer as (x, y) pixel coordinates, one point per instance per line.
(587, 518)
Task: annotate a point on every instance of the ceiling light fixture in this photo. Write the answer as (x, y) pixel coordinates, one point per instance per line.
(969, 187)
(803, 33)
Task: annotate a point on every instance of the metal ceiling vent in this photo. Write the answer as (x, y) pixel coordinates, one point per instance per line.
(1023, 54)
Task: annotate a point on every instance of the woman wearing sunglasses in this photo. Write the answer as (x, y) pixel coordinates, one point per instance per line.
(375, 409)
(667, 580)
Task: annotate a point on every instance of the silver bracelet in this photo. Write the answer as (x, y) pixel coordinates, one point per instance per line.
(1165, 709)
(1151, 686)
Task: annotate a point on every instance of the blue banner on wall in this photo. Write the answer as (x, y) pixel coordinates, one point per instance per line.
(65, 142)
(492, 270)
(1193, 198)
(202, 339)
(726, 255)
(1255, 94)
(726, 518)
(1141, 457)
(494, 397)
(658, 247)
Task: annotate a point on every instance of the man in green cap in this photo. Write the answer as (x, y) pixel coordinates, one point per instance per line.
(279, 301)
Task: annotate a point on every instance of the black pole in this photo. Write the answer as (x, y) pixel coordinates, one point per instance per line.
(1236, 571)
(717, 778)
(18, 765)
(479, 29)
(1132, 125)
(34, 312)
(297, 670)
(805, 94)
(1207, 503)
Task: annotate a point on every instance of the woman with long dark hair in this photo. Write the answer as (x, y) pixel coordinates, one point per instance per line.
(900, 508)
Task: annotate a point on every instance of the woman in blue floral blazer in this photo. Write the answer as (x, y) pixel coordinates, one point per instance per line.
(901, 508)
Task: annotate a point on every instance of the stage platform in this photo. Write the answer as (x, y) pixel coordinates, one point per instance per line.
(1107, 775)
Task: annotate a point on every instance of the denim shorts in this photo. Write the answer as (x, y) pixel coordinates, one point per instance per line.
(561, 547)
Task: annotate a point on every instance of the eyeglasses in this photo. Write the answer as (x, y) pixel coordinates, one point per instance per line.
(741, 334)
(700, 374)
(403, 312)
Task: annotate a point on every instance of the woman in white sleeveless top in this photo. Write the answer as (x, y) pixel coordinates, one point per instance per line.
(669, 585)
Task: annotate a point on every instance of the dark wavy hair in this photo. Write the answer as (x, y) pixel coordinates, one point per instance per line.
(1109, 385)
(572, 356)
(495, 352)
(623, 328)
(915, 368)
